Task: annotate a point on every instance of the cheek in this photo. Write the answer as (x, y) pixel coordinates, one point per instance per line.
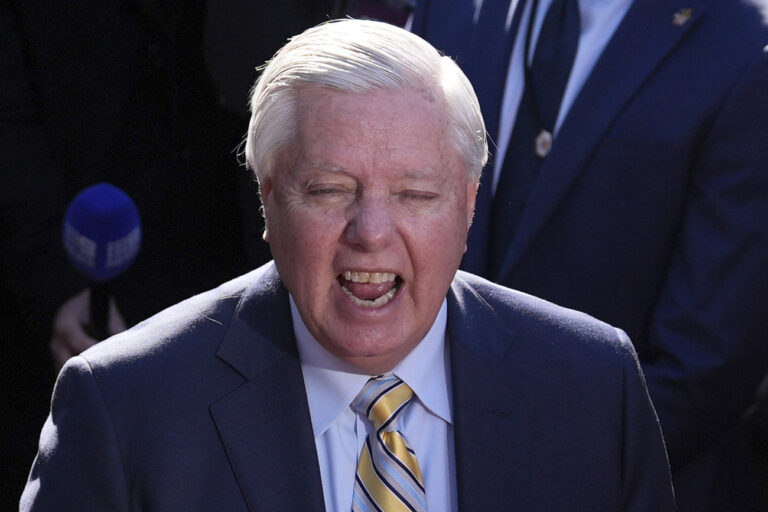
(437, 245)
(303, 238)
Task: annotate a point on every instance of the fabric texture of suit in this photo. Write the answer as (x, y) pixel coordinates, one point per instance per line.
(649, 213)
(203, 407)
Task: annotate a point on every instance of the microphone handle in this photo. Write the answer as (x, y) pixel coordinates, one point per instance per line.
(97, 323)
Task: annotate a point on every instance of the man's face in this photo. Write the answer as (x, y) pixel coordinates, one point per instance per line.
(367, 217)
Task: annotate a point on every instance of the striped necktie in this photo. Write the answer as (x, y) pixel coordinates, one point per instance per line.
(388, 477)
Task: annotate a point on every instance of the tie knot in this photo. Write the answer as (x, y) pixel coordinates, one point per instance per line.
(381, 400)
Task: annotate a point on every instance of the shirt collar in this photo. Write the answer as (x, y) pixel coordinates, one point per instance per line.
(332, 384)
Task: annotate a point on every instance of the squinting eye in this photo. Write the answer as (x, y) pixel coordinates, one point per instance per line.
(418, 196)
(324, 191)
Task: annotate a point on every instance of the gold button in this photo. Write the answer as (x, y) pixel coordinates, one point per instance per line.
(682, 17)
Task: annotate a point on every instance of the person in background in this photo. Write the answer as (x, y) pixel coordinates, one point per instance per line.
(630, 181)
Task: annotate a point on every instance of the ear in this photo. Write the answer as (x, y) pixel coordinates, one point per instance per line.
(472, 187)
(265, 193)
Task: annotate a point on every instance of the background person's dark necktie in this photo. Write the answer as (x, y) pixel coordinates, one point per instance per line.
(545, 82)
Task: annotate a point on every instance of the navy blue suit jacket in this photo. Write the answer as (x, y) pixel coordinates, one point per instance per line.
(203, 407)
(650, 211)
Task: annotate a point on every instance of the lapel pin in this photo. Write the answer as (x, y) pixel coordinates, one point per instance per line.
(543, 143)
(682, 17)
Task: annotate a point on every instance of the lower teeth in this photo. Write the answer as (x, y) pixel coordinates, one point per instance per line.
(380, 301)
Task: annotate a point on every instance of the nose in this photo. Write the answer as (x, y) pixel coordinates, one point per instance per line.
(370, 225)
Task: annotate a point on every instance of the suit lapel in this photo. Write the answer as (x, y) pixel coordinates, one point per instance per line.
(265, 425)
(492, 409)
(646, 35)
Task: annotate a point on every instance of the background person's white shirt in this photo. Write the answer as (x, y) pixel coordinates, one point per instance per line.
(332, 385)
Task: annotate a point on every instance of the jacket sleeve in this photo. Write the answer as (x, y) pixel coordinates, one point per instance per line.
(708, 340)
(78, 466)
(646, 478)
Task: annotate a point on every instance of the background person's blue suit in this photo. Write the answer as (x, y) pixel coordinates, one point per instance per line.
(650, 213)
(203, 407)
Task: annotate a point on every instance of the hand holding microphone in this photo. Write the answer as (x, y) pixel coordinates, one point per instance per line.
(102, 236)
(69, 336)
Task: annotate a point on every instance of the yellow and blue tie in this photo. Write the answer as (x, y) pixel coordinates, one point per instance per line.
(388, 477)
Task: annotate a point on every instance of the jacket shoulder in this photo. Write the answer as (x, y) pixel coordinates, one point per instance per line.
(193, 326)
(530, 320)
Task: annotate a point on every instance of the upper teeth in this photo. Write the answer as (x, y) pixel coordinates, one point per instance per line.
(368, 277)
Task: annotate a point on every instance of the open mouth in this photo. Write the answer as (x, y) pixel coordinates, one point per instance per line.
(369, 289)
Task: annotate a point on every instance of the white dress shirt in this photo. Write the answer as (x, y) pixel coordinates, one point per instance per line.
(599, 20)
(340, 431)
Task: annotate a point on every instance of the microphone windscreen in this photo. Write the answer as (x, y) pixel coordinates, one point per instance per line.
(102, 231)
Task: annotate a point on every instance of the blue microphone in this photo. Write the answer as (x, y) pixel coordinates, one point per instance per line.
(102, 236)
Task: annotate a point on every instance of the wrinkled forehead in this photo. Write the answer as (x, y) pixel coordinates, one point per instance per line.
(388, 122)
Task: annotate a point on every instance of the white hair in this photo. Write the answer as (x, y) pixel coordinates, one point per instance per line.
(358, 56)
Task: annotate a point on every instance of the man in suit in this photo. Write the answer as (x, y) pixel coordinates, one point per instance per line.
(259, 395)
(648, 210)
